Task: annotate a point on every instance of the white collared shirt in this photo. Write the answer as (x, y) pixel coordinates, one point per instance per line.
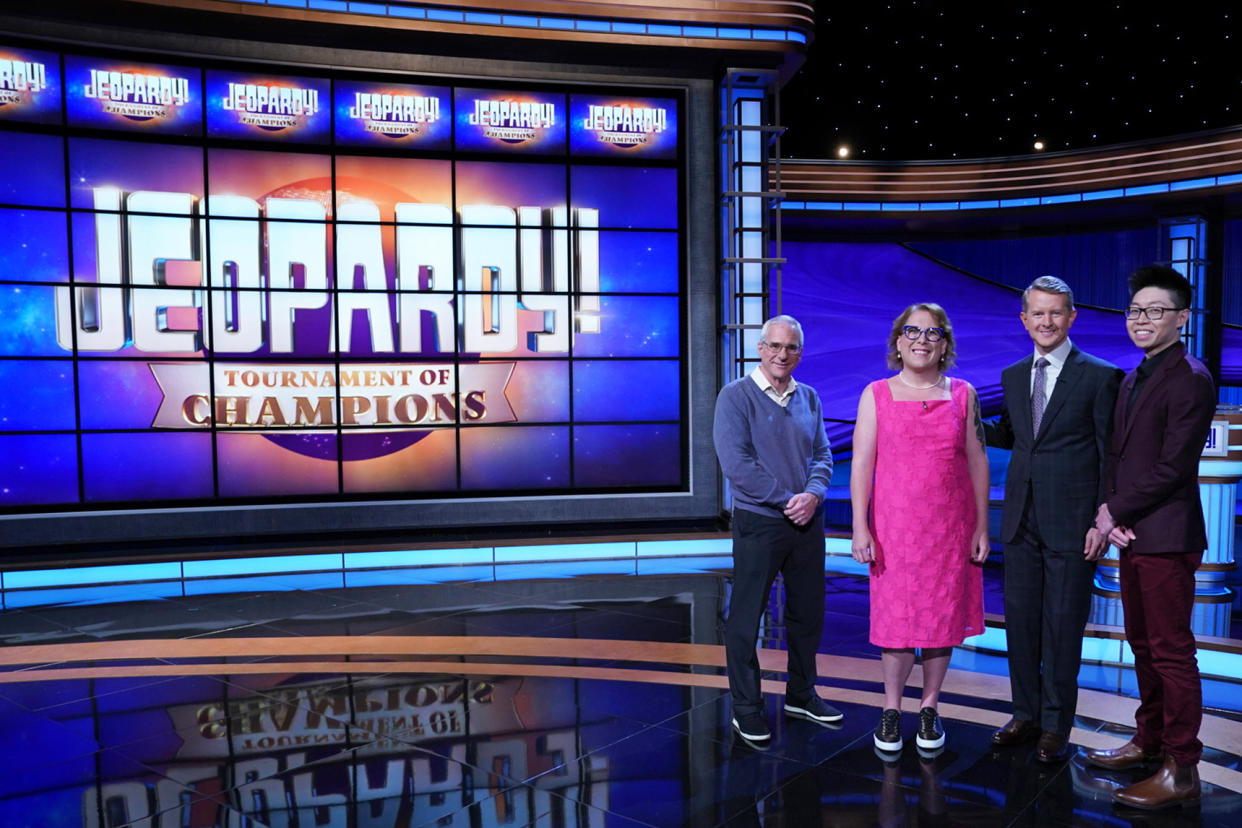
(1056, 361)
(767, 388)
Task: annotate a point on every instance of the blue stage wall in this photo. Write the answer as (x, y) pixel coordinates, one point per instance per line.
(847, 294)
(1094, 264)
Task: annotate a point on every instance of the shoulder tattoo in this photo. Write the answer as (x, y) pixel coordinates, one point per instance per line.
(978, 421)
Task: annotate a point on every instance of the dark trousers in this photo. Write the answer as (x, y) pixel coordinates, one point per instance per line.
(762, 547)
(1047, 602)
(1158, 596)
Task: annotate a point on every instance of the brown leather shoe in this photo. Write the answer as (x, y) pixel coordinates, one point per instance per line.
(1052, 747)
(1014, 731)
(1171, 785)
(1128, 755)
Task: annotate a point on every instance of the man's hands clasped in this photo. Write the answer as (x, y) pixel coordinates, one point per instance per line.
(801, 508)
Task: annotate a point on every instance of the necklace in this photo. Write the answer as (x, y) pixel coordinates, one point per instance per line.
(901, 378)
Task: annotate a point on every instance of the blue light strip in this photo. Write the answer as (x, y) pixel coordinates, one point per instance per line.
(48, 586)
(168, 579)
(91, 575)
(534, 22)
(1005, 203)
(1113, 652)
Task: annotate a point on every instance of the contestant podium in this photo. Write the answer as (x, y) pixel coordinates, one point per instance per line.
(1220, 469)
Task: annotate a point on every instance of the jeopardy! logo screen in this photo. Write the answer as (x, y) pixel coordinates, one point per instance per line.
(264, 107)
(140, 96)
(394, 115)
(508, 121)
(613, 125)
(29, 86)
(207, 319)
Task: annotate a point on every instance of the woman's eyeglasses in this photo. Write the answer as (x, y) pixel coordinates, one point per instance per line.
(932, 334)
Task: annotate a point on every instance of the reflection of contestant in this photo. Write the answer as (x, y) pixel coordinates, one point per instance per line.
(893, 811)
(770, 439)
(919, 488)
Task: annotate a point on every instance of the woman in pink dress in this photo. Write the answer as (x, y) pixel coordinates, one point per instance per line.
(919, 488)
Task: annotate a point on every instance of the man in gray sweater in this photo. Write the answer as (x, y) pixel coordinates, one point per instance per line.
(770, 439)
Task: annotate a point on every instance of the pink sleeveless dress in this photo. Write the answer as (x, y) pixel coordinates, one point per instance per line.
(925, 592)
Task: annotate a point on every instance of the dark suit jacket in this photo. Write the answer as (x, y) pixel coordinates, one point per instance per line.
(1153, 464)
(1060, 471)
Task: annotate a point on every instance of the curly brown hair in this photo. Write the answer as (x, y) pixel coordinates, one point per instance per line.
(942, 319)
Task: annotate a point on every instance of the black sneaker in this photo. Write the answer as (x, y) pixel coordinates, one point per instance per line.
(888, 734)
(753, 728)
(813, 709)
(931, 731)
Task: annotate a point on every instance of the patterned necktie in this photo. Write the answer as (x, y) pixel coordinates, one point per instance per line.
(1039, 394)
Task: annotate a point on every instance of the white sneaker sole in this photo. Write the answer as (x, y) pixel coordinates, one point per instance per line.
(803, 713)
(929, 744)
(750, 737)
(891, 747)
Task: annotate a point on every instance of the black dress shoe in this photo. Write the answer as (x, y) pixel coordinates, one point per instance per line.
(1014, 732)
(1052, 747)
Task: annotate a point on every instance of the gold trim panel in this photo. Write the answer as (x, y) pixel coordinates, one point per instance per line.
(1090, 170)
(765, 14)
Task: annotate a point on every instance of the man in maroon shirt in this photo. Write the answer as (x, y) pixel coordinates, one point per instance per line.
(1152, 513)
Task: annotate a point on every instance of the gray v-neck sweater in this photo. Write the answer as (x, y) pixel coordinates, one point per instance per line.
(770, 453)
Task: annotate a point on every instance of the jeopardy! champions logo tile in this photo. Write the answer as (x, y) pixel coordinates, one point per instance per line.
(140, 97)
(267, 108)
(610, 126)
(510, 121)
(29, 86)
(393, 115)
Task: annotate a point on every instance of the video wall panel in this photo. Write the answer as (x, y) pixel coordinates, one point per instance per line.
(30, 88)
(221, 286)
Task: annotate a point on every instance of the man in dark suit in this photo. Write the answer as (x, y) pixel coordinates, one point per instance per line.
(1056, 419)
(1152, 512)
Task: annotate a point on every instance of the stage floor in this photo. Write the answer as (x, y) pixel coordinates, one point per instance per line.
(479, 697)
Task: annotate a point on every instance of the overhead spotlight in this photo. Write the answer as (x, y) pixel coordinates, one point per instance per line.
(843, 151)
(1039, 145)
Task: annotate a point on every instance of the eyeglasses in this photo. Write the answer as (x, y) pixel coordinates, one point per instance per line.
(1153, 313)
(912, 333)
(792, 350)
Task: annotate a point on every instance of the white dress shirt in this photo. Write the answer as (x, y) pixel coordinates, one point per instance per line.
(1056, 361)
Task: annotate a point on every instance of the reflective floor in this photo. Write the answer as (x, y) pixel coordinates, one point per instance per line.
(451, 698)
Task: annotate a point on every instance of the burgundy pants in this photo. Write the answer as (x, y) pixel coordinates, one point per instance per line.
(1157, 594)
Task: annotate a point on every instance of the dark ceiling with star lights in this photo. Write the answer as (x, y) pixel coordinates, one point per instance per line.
(917, 80)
